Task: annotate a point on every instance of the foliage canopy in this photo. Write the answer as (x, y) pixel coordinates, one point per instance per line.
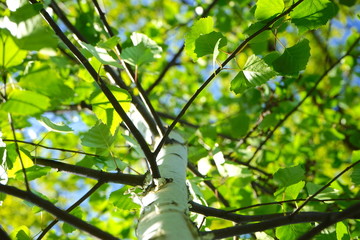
(265, 93)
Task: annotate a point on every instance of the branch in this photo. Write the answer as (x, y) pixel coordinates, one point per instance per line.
(131, 74)
(238, 218)
(303, 100)
(122, 178)
(324, 187)
(273, 221)
(77, 203)
(138, 136)
(351, 212)
(60, 214)
(218, 70)
(52, 148)
(293, 200)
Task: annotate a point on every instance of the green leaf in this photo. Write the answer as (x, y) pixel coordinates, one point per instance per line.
(37, 79)
(137, 55)
(269, 121)
(216, 53)
(25, 12)
(290, 192)
(289, 176)
(100, 54)
(268, 8)
(206, 43)
(254, 73)
(110, 43)
(342, 232)
(25, 103)
(200, 27)
(21, 235)
(104, 110)
(33, 172)
(294, 59)
(98, 136)
(53, 126)
(11, 54)
(122, 201)
(39, 38)
(328, 192)
(138, 38)
(292, 232)
(312, 14)
(355, 175)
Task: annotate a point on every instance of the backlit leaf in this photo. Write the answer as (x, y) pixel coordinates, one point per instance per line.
(137, 55)
(254, 73)
(268, 8)
(289, 176)
(200, 27)
(312, 14)
(294, 59)
(98, 136)
(57, 127)
(101, 54)
(25, 103)
(206, 43)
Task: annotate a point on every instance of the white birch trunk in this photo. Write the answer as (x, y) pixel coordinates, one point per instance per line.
(165, 213)
(164, 208)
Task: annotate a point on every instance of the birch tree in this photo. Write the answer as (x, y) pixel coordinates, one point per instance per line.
(179, 119)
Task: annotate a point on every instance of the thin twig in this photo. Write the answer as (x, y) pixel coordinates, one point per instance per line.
(217, 71)
(52, 148)
(72, 207)
(122, 178)
(59, 213)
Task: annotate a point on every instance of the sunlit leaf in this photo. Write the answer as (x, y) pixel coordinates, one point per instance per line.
(60, 127)
(138, 38)
(294, 59)
(11, 54)
(25, 103)
(206, 43)
(101, 54)
(268, 8)
(290, 175)
(200, 27)
(25, 12)
(292, 232)
(342, 232)
(104, 109)
(312, 14)
(98, 136)
(254, 73)
(137, 55)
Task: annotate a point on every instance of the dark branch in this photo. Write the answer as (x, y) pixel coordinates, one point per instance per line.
(60, 214)
(271, 221)
(122, 178)
(77, 203)
(351, 212)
